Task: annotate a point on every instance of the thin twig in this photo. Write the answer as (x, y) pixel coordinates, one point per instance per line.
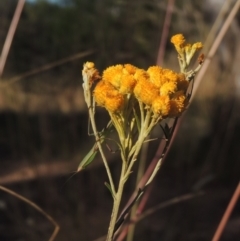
(227, 213)
(165, 31)
(32, 204)
(9, 38)
(152, 210)
(168, 203)
(49, 66)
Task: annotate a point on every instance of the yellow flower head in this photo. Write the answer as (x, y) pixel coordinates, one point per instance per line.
(186, 51)
(114, 102)
(100, 92)
(140, 74)
(170, 75)
(145, 91)
(161, 105)
(130, 69)
(178, 40)
(128, 83)
(177, 104)
(168, 88)
(121, 77)
(113, 75)
(107, 96)
(156, 75)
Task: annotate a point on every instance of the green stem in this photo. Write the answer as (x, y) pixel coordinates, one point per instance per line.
(116, 204)
(91, 104)
(145, 129)
(141, 168)
(97, 137)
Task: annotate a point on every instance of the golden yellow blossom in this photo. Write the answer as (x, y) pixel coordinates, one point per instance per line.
(169, 75)
(178, 40)
(114, 101)
(128, 83)
(121, 77)
(113, 75)
(145, 91)
(177, 104)
(107, 96)
(100, 92)
(131, 69)
(156, 76)
(161, 105)
(168, 88)
(141, 74)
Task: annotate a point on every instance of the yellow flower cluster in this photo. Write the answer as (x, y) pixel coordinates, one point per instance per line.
(185, 50)
(160, 89)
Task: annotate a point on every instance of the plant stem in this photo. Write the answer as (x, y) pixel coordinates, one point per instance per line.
(116, 204)
(97, 137)
(87, 77)
(141, 169)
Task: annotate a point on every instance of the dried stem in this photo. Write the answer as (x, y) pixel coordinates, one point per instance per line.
(227, 213)
(9, 38)
(165, 32)
(32, 204)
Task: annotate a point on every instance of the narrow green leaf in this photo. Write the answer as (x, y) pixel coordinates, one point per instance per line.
(94, 150)
(88, 158)
(109, 188)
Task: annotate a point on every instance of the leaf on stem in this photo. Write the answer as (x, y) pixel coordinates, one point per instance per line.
(94, 150)
(88, 158)
(109, 188)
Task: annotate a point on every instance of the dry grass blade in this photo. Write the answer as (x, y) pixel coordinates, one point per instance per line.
(10, 35)
(49, 66)
(168, 203)
(166, 26)
(162, 205)
(227, 214)
(56, 229)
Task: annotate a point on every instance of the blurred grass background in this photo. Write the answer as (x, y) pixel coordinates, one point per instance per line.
(43, 118)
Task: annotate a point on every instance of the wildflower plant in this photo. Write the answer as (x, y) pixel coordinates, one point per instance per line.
(136, 101)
